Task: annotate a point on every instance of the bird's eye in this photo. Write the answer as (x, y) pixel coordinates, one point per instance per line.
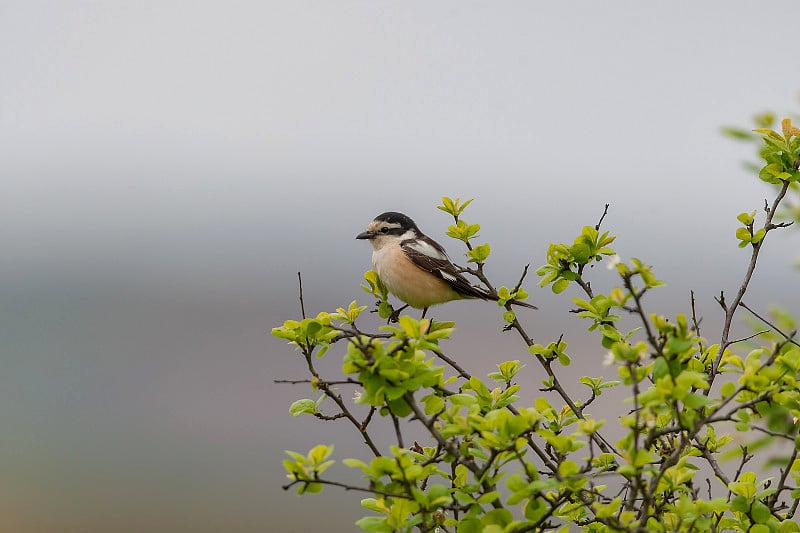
(384, 229)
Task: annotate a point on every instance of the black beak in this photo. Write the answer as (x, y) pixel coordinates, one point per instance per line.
(365, 235)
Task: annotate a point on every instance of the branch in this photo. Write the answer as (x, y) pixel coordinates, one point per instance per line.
(347, 487)
(397, 432)
(522, 277)
(773, 433)
(788, 337)
(602, 442)
(712, 462)
(353, 331)
(348, 381)
(730, 310)
(323, 386)
(744, 339)
(430, 425)
(605, 212)
(466, 375)
(461, 372)
(637, 298)
(329, 417)
(302, 305)
(367, 420)
(696, 322)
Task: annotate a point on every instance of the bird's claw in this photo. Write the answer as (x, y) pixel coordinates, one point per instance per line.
(395, 316)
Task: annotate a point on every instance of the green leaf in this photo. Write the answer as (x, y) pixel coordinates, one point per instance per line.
(695, 401)
(568, 468)
(462, 399)
(740, 504)
(464, 205)
(355, 463)
(507, 370)
(375, 524)
(743, 234)
(560, 285)
(760, 512)
(746, 218)
(489, 497)
(789, 526)
(310, 488)
(581, 252)
(770, 173)
(447, 206)
(500, 517)
(433, 404)
(303, 407)
(479, 253)
(727, 389)
(739, 134)
(319, 453)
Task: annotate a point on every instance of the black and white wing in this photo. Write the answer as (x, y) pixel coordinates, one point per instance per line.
(429, 255)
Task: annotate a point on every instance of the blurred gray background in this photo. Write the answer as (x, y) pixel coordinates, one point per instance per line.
(168, 167)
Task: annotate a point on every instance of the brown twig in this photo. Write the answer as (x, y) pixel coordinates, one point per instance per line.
(788, 336)
(348, 381)
(730, 310)
(605, 212)
(302, 304)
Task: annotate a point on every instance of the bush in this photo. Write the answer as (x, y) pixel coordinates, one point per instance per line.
(489, 464)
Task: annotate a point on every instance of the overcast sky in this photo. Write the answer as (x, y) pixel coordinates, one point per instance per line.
(168, 167)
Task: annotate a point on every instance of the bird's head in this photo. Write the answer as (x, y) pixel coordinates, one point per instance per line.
(389, 227)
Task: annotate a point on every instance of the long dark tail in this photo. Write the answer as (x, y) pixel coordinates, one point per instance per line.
(471, 291)
(512, 302)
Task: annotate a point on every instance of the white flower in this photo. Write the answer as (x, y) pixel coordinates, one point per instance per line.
(357, 396)
(609, 359)
(613, 261)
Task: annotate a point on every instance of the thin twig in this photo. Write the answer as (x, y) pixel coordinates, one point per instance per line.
(695, 321)
(522, 277)
(368, 419)
(430, 425)
(347, 487)
(466, 375)
(776, 434)
(302, 305)
(337, 398)
(348, 381)
(744, 339)
(605, 212)
(337, 416)
(786, 336)
(637, 298)
(397, 432)
(596, 436)
(731, 309)
(463, 373)
(709, 457)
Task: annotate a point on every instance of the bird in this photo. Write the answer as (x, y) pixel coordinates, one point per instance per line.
(415, 268)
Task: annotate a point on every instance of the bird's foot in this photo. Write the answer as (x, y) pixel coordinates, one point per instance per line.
(395, 316)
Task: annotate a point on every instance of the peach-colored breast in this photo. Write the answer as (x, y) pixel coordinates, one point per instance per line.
(407, 281)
